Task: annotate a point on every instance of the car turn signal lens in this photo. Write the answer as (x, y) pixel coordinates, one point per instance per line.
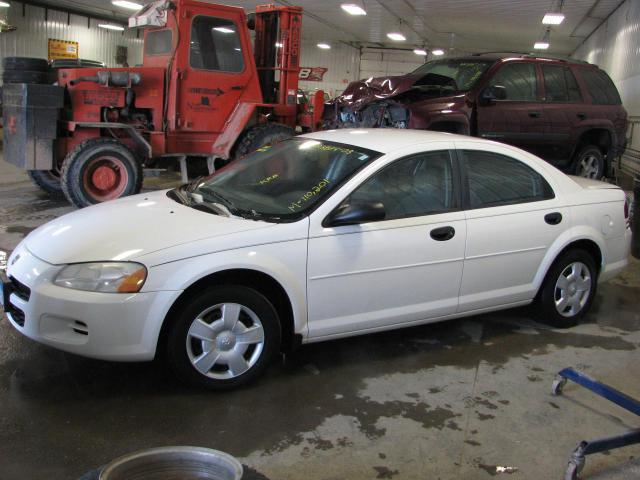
(133, 283)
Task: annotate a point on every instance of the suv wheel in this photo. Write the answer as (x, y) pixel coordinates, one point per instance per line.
(589, 163)
(568, 289)
(223, 337)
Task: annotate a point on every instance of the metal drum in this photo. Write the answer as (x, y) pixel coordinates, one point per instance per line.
(174, 463)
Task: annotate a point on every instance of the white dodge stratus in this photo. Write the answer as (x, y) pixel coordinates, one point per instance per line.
(322, 236)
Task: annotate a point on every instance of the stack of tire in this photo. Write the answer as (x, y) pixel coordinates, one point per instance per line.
(25, 70)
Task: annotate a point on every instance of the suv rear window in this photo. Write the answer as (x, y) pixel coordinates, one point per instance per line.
(600, 87)
(560, 85)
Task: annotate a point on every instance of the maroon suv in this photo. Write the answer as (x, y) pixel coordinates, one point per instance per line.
(567, 112)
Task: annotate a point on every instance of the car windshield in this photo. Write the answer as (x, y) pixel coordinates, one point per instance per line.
(460, 75)
(278, 183)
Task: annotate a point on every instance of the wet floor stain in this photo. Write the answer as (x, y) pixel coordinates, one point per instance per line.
(385, 472)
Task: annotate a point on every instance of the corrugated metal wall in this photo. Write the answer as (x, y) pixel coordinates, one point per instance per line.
(615, 47)
(33, 33)
(342, 62)
(376, 62)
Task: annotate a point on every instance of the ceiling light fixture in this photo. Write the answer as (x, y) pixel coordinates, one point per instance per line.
(126, 4)
(4, 5)
(420, 51)
(396, 36)
(108, 26)
(437, 52)
(223, 30)
(353, 9)
(324, 46)
(544, 43)
(553, 18)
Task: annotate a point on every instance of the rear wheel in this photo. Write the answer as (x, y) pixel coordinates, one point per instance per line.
(589, 163)
(261, 135)
(223, 337)
(568, 289)
(25, 63)
(48, 181)
(99, 170)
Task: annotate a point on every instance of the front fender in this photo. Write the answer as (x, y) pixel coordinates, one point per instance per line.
(285, 262)
(574, 234)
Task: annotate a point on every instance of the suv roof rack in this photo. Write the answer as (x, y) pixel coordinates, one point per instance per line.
(564, 58)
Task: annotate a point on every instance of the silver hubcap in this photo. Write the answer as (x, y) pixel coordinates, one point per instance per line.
(225, 341)
(589, 167)
(573, 289)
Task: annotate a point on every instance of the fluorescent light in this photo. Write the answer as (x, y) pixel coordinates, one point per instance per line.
(396, 36)
(324, 46)
(223, 30)
(541, 45)
(437, 52)
(553, 18)
(4, 4)
(419, 51)
(353, 9)
(278, 45)
(111, 27)
(126, 4)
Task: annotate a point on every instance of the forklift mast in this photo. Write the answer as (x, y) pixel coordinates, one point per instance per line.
(277, 57)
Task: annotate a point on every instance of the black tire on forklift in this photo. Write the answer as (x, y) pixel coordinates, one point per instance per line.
(48, 181)
(25, 76)
(98, 170)
(261, 135)
(25, 63)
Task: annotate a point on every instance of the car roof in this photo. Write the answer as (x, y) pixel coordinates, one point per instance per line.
(383, 140)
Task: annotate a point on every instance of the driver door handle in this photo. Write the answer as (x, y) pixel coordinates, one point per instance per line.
(443, 234)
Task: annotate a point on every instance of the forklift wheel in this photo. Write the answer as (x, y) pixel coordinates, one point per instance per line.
(261, 135)
(48, 181)
(98, 170)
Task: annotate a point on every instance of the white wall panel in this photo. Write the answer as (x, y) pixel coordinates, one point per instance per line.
(615, 47)
(342, 62)
(33, 33)
(382, 62)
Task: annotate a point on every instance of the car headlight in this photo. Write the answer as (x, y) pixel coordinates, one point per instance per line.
(110, 277)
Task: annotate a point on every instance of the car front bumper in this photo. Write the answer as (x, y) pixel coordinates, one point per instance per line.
(123, 327)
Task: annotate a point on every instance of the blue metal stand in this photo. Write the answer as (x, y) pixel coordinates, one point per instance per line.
(577, 460)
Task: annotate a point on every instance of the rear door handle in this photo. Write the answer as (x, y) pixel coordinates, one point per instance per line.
(553, 218)
(535, 114)
(581, 115)
(443, 234)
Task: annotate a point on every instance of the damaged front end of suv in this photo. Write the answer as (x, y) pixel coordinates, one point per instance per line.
(436, 96)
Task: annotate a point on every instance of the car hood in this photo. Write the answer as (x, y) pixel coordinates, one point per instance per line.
(363, 92)
(129, 228)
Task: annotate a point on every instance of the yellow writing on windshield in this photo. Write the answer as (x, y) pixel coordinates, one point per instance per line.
(269, 179)
(333, 148)
(315, 190)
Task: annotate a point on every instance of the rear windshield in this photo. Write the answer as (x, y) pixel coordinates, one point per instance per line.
(158, 42)
(600, 87)
(460, 74)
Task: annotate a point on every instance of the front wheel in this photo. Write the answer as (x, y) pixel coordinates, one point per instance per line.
(223, 337)
(568, 289)
(98, 170)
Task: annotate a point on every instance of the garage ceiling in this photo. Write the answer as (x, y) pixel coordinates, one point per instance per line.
(459, 25)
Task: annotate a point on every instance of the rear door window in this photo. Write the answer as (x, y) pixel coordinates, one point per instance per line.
(600, 87)
(496, 180)
(215, 45)
(560, 84)
(519, 81)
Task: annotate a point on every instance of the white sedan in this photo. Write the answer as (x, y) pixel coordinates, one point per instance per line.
(322, 236)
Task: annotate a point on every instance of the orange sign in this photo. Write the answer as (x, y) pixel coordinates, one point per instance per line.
(62, 49)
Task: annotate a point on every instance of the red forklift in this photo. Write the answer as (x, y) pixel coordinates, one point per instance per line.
(202, 92)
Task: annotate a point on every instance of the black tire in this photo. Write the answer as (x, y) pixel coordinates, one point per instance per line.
(25, 63)
(589, 163)
(81, 165)
(176, 347)
(261, 135)
(545, 307)
(26, 76)
(48, 181)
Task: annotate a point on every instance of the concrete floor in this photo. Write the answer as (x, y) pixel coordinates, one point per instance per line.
(447, 401)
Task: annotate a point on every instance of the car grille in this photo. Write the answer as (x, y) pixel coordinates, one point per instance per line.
(22, 291)
(16, 314)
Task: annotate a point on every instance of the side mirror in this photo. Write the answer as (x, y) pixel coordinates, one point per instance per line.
(490, 94)
(354, 214)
